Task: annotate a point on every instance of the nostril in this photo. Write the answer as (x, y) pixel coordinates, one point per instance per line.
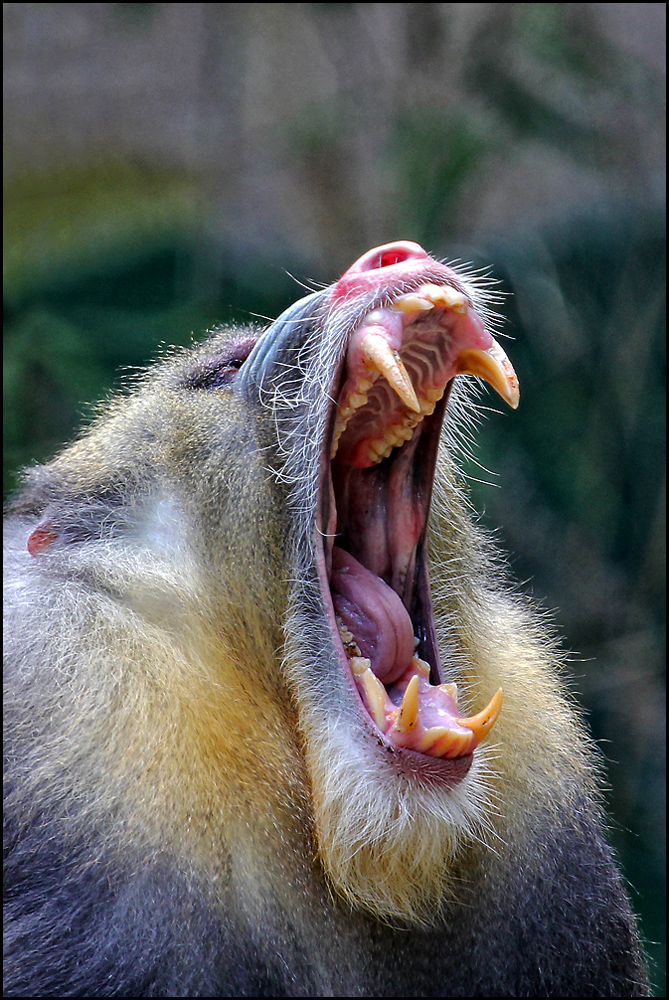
(392, 257)
(387, 255)
(381, 266)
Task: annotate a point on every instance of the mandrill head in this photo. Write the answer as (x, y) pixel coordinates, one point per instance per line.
(357, 380)
(326, 655)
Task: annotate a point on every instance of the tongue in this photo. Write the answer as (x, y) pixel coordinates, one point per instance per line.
(374, 614)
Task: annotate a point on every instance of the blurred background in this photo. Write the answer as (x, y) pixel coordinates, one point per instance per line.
(169, 166)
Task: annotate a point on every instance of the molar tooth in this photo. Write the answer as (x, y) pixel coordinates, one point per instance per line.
(380, 357)
(351, 647)
(377, 450)
(411, 419)
(408, 713)
(393, 436)
(495, 368)
(339, 428)
(404, 433)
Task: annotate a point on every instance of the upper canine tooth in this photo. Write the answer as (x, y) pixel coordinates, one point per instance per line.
(379, 356)
(494, 366)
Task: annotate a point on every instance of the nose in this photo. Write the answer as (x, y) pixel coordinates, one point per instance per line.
(386, 255)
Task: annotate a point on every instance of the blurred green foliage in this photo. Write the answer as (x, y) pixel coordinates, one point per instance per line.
(103, 267)
(582, 494)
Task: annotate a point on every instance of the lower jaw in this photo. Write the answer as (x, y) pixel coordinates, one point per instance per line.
(422, 767)
(404, 761)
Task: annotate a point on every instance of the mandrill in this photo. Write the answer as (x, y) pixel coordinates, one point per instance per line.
(256, 652)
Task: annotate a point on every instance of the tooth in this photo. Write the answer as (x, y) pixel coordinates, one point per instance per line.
(340, 425)
(408, 713)
(456, 300)
(355, 398)
(434, 393)
(378, 449)
(452, 745)
(380, 356)
(450, 689)
(359, 664)
(351, 647)
(494, 366)
(408, 424)
(401, 433)
(411, 303)
(445, 295)
(375, 696)
(393, 438)
(430, 737)
(348, 404)
(481, 723)
(422, 666)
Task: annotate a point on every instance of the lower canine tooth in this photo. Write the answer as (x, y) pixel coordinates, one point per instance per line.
(375, 696)
(481, 723)
(408, 713)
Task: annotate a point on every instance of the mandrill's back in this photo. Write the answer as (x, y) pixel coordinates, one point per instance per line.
(275, 725)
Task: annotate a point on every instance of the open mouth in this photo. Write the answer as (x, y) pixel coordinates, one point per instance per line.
(395, 379)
